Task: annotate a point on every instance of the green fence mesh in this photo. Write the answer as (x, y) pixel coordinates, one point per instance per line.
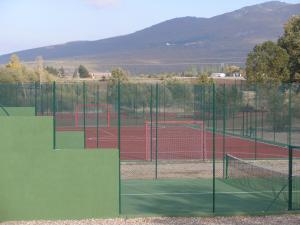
(184, 149)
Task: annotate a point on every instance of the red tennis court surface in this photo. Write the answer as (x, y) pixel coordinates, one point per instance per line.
(192, 144)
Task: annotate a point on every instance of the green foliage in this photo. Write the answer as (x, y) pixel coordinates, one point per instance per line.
(55, 72)
(267, 63)
(117, 75)
(16, 72)
(277, 103)
(14, 63)
(83, 72)
(179, 91)
(52, 70)
(204, 79)
(290, 41)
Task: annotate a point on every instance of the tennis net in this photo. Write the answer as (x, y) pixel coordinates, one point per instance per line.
(254, 178)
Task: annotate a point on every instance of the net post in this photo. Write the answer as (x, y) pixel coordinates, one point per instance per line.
(97, 115)
(54, 113)
(156, 129)
(84, 105)
(226, 166)
(119, 141)
(214, 148)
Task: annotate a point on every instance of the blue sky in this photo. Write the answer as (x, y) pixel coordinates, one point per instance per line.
(33, 23)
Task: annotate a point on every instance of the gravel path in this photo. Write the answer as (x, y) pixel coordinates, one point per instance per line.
(270, 220)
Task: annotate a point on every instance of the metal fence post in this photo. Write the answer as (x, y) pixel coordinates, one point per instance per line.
(151, 123)
(290, 185)
(35, 98)
(156, 129)
(54, 114)
(224, 124)
(84, 109)
(214, 148)
(97, 115)
(119, 141)
(255, 130)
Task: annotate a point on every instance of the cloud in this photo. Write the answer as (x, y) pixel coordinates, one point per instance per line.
(103, 3)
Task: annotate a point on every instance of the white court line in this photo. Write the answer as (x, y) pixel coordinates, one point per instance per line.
(111, 134)
(203, 193)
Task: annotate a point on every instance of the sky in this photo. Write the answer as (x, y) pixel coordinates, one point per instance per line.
(35, 23)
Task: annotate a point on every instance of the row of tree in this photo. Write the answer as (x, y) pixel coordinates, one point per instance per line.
(16, 72)
(277, 62)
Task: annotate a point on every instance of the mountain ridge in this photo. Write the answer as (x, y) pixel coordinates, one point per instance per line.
(229, 35)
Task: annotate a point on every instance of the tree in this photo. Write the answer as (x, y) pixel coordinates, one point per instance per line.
(290, 41)
(118, 75)
(267, 63)
(14, 63)
(16, 72)
(83, 72)
(204, 79)
(61, 71)
(76, 74)
(52, 70)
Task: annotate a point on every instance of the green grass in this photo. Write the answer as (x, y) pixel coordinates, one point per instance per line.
(37, 182)
(191, 197)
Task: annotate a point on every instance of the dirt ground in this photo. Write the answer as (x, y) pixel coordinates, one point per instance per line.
(258, 220)
(171, 169)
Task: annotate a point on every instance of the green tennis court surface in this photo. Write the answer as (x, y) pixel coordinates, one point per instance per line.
(192, 197)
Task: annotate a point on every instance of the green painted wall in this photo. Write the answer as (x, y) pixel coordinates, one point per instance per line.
(70, 140)
(37, 182)
(18, 111)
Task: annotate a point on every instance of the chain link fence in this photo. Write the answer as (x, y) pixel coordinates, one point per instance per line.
(184, 149)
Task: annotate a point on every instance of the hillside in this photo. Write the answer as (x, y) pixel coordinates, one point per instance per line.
(184, 41)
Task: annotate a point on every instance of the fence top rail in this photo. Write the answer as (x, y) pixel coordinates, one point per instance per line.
(176, 122)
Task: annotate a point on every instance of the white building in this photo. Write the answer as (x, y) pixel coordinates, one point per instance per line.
(213, 75)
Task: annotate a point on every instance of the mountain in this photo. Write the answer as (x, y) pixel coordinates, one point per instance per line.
(177, 43)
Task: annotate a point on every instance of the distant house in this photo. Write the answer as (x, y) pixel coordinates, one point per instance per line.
(101, 76)
(214, 75)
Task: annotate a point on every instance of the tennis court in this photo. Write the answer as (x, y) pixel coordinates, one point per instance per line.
(193, 197)
(184, 149)
(179, 141)
(177, 148)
